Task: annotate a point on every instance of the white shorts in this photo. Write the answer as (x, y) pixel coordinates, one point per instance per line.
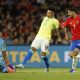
(39, 42)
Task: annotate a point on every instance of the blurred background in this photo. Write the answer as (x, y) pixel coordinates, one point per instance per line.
(20, 19)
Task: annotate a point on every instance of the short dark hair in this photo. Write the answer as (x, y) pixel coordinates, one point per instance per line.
(51, 9)
(75, 9)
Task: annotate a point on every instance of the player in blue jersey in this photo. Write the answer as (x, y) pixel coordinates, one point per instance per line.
(5, 65)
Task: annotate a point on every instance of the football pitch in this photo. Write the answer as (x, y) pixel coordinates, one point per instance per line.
(39, 74)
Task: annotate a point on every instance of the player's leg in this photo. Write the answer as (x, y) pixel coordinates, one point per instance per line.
(46, 61)
(7, 66)
(6, 69)
(74, 53)
(75, 60)
(1, 62)
(26, 57)
(2, 67)
(44, 49)
(74, 64)
(34, 46)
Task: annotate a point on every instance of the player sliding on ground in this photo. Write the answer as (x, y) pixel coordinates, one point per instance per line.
(5, 65)
(73, 21)
(42, 39)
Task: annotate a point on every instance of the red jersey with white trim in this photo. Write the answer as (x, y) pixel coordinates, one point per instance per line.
(74, 24)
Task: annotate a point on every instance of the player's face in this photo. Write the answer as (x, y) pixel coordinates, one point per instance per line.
(50, 13)
(70, 13)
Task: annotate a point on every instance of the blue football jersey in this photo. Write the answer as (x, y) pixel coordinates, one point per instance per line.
(2, 45)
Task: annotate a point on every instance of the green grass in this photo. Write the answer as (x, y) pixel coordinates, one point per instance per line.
(39, 74)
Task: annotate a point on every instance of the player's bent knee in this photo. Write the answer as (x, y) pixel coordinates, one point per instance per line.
(76, 50)
(71, 55)
(74, 53)
(33, 49)
(43, 54)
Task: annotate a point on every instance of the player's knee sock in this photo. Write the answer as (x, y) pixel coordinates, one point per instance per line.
(45, 59)
(27, 57)
(74, 62)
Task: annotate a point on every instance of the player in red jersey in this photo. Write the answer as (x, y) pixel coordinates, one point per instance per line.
(73, 21)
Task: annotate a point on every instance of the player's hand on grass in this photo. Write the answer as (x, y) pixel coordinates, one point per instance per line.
(11, 68)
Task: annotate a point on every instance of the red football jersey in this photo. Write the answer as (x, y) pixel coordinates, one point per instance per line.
(74, 24)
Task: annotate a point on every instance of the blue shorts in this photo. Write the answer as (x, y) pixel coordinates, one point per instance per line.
(75, 44)
(2, 67)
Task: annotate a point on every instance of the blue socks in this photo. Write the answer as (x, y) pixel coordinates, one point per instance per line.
(45, 59)
(27, 57)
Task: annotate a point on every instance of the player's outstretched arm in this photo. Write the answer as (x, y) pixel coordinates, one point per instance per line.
(10, 68)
